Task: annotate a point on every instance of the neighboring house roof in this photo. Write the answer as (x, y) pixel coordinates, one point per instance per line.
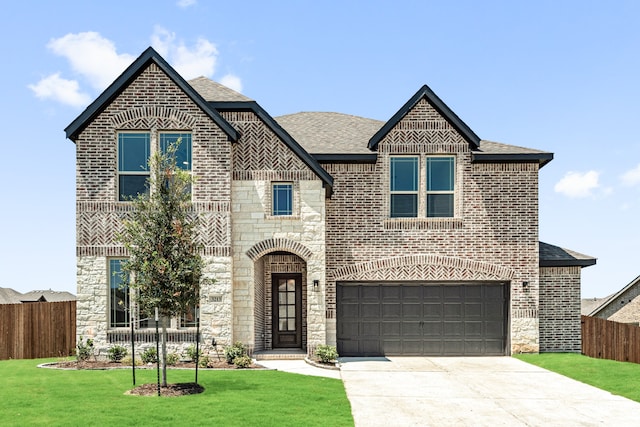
(587, 305)
(448, 114)
(10, 296)
(555, 256)
(635, 283)
(47, 296)
(214, 91)
(131, 73)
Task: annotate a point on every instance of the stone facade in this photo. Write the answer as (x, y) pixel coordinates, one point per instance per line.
(340, 229)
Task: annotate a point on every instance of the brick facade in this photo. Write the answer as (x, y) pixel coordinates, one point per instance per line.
(560, 327)
(341, 233)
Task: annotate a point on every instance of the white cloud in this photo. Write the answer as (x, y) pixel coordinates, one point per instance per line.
(232, 82)
(579, 185)
(199, 60)
(186, 3)
(92, 56)
(631, 177)
(61, 90)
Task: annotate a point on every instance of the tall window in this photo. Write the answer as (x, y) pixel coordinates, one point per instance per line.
(282, 199)
(440, 186)
(118, 295)
(404, 186)
(133, 164)
(134, 149)
(190, 318)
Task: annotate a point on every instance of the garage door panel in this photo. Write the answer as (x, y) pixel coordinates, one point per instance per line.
(421, 319)
(391, 310)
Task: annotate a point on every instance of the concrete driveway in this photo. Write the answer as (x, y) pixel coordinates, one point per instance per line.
(485, 391)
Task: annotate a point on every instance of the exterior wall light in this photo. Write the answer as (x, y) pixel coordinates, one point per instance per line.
(316, 285)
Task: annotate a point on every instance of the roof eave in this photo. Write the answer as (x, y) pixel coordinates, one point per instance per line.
(541, 158)
(149, 55)
(568, 263)
(442, 108)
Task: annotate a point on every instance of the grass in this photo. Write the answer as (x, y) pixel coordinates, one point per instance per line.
(34, 396)
(621, 378)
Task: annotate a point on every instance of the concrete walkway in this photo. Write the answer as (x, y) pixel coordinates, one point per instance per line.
(458, 391)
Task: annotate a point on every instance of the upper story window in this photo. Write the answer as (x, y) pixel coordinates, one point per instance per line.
(282, 199)
(134, 149)
(404, 186)
(427, 194)
(440, 186)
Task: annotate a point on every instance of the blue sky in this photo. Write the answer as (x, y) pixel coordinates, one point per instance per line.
(561, 76)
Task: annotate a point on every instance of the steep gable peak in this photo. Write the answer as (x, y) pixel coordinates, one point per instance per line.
(427, 94)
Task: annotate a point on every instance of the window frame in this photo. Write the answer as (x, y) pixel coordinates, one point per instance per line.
(451, 192)
(393, 192)
(291, 199)
(146, 172)
(155, 141)
(113, 296)
(423, 190)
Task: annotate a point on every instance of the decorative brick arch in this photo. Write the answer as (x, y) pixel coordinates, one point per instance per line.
(423, 267)
(153, 117)
(271, 245)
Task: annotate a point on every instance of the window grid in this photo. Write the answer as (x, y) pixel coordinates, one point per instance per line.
(282, 199)
(403, 186)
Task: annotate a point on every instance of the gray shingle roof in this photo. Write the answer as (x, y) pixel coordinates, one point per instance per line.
(215, 92)
(48, 296)
(555, 256)
(330, 133)
(500, 148)
(9, 296)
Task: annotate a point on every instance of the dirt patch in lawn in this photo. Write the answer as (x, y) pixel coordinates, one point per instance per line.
(171, 390)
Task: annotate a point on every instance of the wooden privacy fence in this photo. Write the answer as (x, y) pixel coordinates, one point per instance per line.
(40, 329)
(606, 339)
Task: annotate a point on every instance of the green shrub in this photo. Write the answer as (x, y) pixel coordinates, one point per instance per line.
(242, 361)
(127, 361)
(203, 361)
(149, 356)
(236, 350)
(326, 353)
(116, 353)
(191, 352)
(172, 359)
(85, 349)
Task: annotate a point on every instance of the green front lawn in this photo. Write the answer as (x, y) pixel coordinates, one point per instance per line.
(621, 378)
(34, 396)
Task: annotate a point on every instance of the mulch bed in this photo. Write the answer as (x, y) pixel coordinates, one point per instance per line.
(171, 390)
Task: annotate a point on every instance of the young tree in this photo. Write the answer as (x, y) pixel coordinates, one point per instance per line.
(164, 265)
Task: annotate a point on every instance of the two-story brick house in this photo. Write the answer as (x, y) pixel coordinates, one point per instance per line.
(410, 236)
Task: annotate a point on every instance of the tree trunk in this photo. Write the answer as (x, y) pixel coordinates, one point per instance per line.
(164, 351)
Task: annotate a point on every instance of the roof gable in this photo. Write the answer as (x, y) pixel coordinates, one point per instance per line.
(635, 283)
(426, 93)
(131, 73)
(282, 134)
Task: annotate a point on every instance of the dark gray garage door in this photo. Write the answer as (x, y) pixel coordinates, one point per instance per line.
(375, 319)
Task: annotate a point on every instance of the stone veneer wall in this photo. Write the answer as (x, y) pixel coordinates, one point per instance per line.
(560, 327)
(152, 103)
(260, 158)
(493, 236)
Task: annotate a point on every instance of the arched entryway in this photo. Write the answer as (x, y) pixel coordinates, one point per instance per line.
(280, 306)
